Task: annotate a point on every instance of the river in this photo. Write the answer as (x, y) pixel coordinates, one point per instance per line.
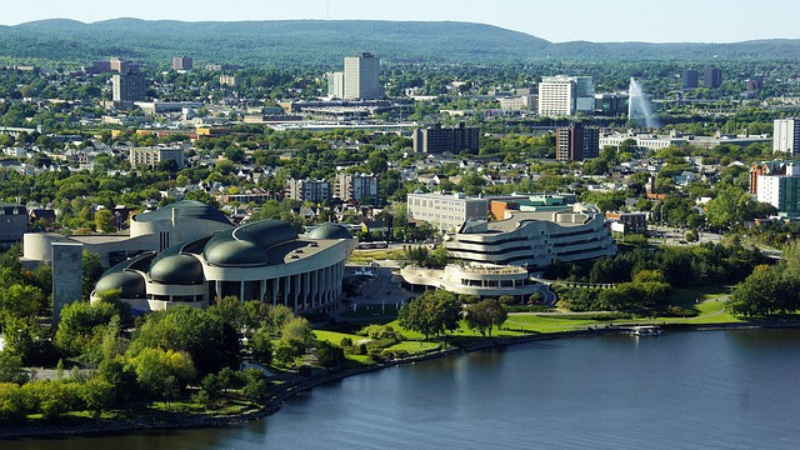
(694, 390)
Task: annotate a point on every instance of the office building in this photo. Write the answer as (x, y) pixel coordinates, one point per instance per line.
(712, 78)
(335, 84)
(128, 87)
(362, 77)
(182, 63)
(562, 96)
(356, 186)
(436, 139)
(689, 79)
(308, 190)
(265, 261)
(520, 103)
(447, 213)
(153, 156)
(577, 142)
(786, 137)
(534, 239)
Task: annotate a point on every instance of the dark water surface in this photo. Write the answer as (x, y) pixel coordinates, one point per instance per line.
(701, 390)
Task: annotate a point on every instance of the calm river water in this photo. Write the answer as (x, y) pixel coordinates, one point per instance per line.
(701, 390)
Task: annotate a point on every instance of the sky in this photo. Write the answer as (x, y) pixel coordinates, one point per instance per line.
(554, 20)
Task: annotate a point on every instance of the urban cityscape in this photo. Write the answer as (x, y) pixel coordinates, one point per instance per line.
(194, 237)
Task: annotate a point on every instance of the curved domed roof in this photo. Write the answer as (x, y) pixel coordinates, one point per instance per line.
(177, 269)
(130, 283)
(330, 231)
(249, 244)
(230, 252)
(187, 209)
(266, 233)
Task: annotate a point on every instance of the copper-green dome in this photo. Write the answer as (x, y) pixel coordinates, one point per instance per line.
(130, 283)
(177, 269)
(248, 245)
(235, 253)
(266, 233)
(330, 231)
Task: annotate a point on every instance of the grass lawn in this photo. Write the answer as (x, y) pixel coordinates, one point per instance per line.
(548, 324)
(687, 298)
(334, 337)
(368, 256)
(415, 346)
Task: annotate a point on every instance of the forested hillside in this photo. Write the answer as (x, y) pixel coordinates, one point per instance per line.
(314, 42)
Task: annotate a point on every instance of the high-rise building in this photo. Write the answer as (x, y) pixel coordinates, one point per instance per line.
(689, 79)
(561, 96)
(786, 136)
(577, 142)
(356, 186)
(781, 190)
(436, 139)
(336, 84)
(128, 87)
(362, 77)
(182, 63)
(308, 190)
(712, 78)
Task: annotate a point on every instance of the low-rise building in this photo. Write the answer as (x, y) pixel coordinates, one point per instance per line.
(265, 261)
(13, 224)
(308, 190)
(446, 212)
(152, 156)
(484, 280)
(356, 186)
(534, 239)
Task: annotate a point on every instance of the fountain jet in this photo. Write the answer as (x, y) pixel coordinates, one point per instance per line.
(640, 110)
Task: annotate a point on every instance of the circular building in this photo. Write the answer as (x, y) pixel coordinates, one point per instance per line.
(266, 261)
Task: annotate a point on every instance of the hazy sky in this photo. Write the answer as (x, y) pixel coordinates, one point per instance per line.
(554, 20)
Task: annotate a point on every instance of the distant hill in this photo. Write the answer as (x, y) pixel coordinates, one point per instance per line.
(316, 42)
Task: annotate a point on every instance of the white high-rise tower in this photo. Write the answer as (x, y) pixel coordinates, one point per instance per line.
(362, 77)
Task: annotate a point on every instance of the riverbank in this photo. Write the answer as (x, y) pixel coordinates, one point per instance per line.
(166, 420)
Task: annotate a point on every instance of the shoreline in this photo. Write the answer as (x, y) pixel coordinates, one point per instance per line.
(187, 421)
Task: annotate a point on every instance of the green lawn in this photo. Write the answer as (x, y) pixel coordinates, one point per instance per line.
(334, 337)
(415, 346)
(548, 324)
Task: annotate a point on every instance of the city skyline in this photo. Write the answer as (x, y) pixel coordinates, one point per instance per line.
(609, 21)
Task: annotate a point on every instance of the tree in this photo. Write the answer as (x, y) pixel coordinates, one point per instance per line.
(92, 271)
(13, 405)
(432, 313)
(97, 394)
(11, 368)
(211, 342)
(157, 369)
(485, 315)
(438, 258)
(82, 327)
(417, 254)
(104, 221)
(261, 346)
(768, 290)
